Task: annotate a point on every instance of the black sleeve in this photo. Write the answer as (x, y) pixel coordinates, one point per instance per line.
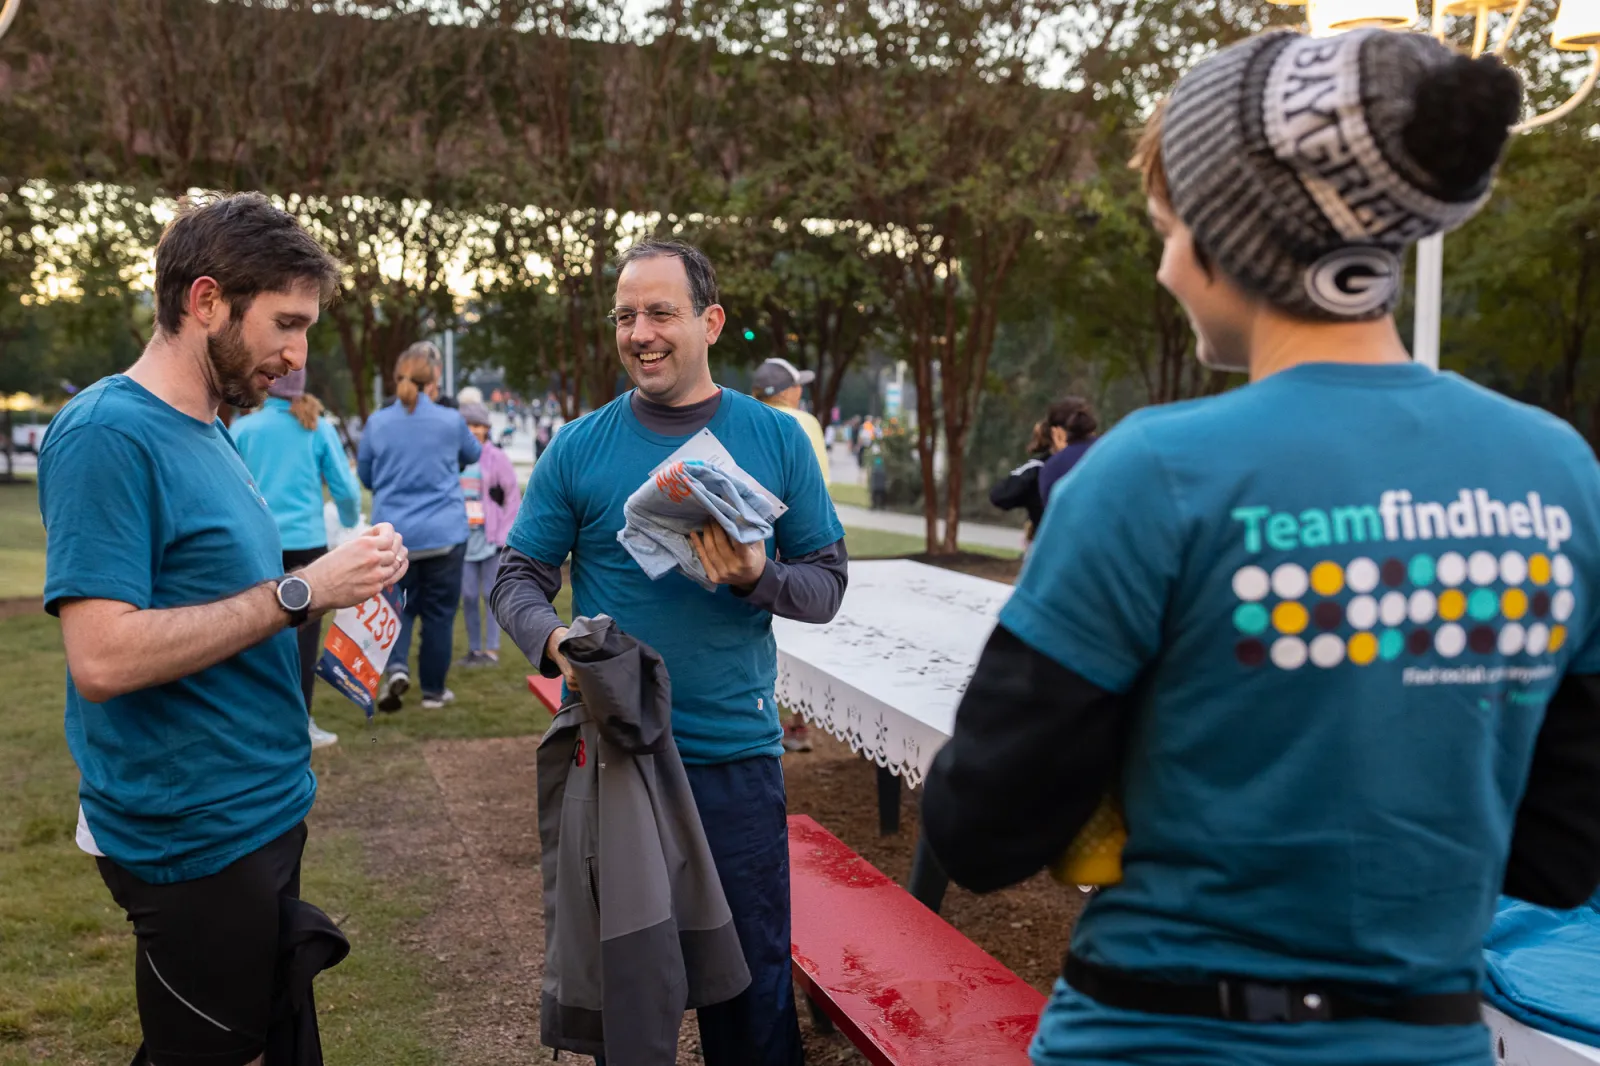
(1555, 846)
(1017, 489)
(523, 591)
(807, 588)
(1035, 749)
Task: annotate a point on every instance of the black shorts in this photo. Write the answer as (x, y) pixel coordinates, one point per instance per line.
(206, 954)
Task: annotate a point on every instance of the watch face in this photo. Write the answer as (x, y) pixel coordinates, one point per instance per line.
(294, 594)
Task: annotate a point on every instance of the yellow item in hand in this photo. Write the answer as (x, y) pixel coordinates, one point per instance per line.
(1095, 857)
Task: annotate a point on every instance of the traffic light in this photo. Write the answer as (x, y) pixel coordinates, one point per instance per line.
(749, 334)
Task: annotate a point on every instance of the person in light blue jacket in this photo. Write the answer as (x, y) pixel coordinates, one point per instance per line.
(411, 456)
(292, 453)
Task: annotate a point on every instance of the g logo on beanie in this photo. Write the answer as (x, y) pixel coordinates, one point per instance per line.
(1353, 281)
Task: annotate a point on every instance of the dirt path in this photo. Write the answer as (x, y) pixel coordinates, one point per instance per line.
(462, 818)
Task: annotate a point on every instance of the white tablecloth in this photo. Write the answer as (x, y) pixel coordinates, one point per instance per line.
(886, 675)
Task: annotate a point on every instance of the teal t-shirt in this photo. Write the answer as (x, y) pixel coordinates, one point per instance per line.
(1341, 599)
(145, 505)
(719, 649)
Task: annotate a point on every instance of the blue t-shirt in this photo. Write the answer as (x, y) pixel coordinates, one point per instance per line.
(145, 505)
(412, 460)
(719, 649)
(1341, 599)
(291, 464)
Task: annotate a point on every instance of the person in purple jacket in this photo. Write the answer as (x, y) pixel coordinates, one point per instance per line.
(490, 488)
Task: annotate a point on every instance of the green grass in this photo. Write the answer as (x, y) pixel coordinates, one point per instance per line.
(66, 954)
(850, 495)
(21, 541)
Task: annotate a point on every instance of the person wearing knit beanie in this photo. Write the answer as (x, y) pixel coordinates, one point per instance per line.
(1302, 168)
(1329, 642)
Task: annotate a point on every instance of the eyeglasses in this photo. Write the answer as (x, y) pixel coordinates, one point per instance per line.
(660, 315)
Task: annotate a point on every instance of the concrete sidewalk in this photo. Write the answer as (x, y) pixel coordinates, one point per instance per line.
(914, 526)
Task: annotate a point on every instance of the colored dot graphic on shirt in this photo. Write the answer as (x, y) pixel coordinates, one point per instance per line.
(1483, 605)
(1288, 653)
(1513, 568)
(1251, 583)
(1421, 607)
(1289, 618)
(1483, 568)
(1327, 578)
(1422, 571)
(1561, 570)
(1367, 610)
(1392, 608)
(1250, 619)
(1451, 569)
(1538, 638)
(1327, 651)
(1361, 575)
(1327, 615)
(1289, 582)
(1362, 612)
(1363, 648)
(1539, 570)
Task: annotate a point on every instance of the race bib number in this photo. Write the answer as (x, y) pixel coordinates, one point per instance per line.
(474, 512)
(357, 648)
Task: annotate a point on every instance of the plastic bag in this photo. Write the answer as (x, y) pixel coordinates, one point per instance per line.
(1095, 857)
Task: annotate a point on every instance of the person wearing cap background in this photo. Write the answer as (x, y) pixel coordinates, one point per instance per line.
(292, 453)
(1339, 666)
(490, 489)
(778, 383)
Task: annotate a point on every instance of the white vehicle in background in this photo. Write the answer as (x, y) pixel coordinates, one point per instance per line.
(27, 430)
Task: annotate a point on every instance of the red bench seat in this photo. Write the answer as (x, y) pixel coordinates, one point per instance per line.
(905, 987)
(547, 690)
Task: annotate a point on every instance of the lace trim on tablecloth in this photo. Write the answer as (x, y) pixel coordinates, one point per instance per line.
(872, 728)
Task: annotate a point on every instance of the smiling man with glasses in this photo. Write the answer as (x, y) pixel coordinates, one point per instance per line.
(718, 646)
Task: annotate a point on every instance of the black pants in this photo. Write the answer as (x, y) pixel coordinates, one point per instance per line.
(309, 635)
(206, 954)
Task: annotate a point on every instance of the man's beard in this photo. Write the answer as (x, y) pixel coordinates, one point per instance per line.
(234, 368)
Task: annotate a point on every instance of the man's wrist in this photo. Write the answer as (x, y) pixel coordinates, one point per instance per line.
(294, 597)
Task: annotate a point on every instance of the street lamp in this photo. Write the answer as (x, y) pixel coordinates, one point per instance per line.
(1576, 29)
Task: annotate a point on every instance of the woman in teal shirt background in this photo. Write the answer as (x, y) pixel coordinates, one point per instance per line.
(292, 453)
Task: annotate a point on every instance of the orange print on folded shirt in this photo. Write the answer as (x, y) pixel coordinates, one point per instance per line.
(673, 483)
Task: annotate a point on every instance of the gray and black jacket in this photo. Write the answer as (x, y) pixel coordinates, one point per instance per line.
(637, 929)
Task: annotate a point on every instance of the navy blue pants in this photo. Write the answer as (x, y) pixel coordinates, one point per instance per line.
(432, 589)
(743, 809)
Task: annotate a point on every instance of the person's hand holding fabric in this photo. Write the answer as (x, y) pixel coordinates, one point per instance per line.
(726, 561)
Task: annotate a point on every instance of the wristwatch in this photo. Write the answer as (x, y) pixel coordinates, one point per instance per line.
(294, 596)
